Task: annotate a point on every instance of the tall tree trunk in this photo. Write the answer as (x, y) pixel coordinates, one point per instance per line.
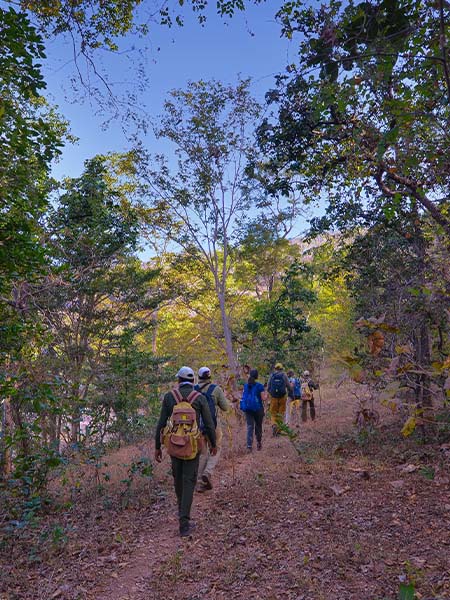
(25, 445)
(75, 417)
(154, 331)
(5, 450)
(232, 364)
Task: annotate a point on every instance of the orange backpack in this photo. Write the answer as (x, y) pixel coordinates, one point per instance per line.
(181, 436)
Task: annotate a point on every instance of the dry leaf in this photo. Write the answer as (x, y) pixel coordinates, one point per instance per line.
(409, 468)
(397, 484)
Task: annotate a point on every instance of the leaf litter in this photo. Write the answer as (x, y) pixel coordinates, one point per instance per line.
(330, 524)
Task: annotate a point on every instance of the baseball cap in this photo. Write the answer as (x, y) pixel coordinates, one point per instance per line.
(186, 373)
(204, 372)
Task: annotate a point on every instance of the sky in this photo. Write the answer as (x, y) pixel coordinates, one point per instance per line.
(249, 44)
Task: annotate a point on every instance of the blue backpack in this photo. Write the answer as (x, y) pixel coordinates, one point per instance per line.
(297, 388)
(211, 403)
(249, 400)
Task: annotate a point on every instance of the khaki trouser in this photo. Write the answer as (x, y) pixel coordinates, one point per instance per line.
(293, 412)
(312, 409)
(208, 462)
(277, 408)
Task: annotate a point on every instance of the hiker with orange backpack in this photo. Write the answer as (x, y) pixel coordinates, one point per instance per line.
(216, 399)
(307, 395)
(178, 429)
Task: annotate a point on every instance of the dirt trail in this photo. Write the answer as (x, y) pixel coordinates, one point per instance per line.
(340, 522)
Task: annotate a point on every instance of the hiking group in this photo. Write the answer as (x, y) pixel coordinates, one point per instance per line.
(189, 424)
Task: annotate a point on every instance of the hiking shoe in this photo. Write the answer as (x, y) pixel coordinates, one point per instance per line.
(207, 482)
(249, 449)
(186, 529)
(274, 430)
(259, 446)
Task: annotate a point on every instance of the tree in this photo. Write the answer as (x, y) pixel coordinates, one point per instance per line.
(363, 117)
(278, 325)
(31, 137)
(98, 297)
(30, 140)
(202, 204)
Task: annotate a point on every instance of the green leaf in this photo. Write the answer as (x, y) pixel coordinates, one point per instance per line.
(406, 592)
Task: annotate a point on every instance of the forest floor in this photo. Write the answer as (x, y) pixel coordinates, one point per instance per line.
(352, 517)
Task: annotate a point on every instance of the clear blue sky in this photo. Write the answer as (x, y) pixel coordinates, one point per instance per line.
(248, 44)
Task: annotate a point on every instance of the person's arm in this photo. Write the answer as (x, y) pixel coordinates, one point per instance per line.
(288, 383)
(221, 399)
(163, 418)
(262, 393)
(208, 422)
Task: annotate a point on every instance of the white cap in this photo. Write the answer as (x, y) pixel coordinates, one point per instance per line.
(305, 373)
(204, 372)
(186, 373)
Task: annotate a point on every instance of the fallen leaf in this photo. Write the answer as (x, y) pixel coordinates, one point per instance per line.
(409, 468)
(339, 490)
(397, 484)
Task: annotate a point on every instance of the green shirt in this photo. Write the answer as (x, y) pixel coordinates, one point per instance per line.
(200, 405)
(218, 395)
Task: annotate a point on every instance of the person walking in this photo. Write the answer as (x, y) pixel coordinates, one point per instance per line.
(216, 399)
(278, 387)
(252, 404)
(294, 400)
(307, 394)
(178, 428)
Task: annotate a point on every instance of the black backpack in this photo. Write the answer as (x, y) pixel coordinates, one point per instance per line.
(277, 388)
(211, 403)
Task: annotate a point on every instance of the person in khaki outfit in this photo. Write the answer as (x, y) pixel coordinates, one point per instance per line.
(217, 398)
(278, 387)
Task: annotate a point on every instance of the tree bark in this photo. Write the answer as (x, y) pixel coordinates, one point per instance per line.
(228, 340)
(5, 451)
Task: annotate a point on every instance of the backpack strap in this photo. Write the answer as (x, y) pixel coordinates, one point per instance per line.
(179, 398)
(212, 387)
(177, 395)
(192, 396)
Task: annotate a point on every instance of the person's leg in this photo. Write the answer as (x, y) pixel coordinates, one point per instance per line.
(273, 407)
(312, 409)
(250, 418)
(288, 411)
(293, 410)
(213, 460)
(189, 479)
(203, 460)
(282, 409)
(304, 408)
(259, 416)
(177, 472)
(298, 404)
